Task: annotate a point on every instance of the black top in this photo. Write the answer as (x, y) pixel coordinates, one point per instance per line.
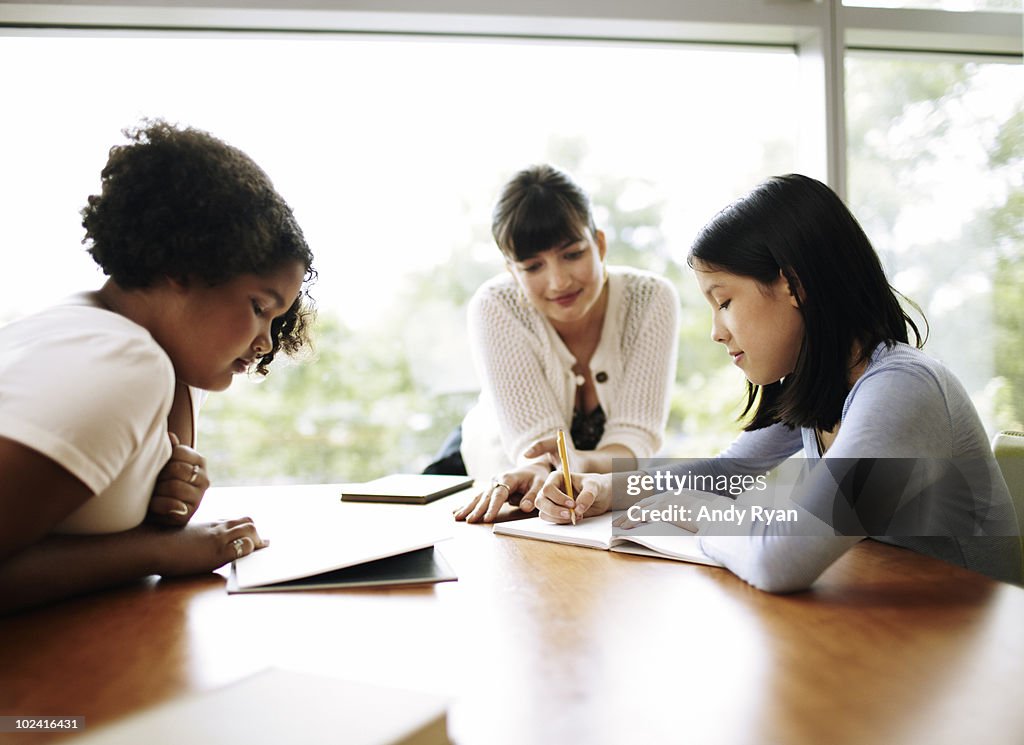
(587, 429)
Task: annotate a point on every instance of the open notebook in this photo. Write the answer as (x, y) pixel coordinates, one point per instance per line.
(661, 540)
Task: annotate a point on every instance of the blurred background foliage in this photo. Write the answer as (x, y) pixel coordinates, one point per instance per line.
(384, 397)
(935, 137)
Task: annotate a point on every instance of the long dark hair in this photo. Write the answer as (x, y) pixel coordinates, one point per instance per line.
(800, 227)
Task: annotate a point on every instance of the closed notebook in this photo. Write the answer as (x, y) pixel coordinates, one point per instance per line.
(660, 540)
(409, 488)
(279, 706)
(420, 567)
(309, 546)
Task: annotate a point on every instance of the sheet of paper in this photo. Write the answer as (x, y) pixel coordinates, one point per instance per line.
(663, 540)
(281, 706)
(592, 532)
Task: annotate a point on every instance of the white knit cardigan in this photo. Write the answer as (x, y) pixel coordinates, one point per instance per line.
(528, 388)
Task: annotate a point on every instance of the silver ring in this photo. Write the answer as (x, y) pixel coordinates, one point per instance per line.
(195, 473)
(239, 545)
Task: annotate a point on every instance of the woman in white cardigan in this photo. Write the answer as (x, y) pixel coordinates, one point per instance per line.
(562, 341)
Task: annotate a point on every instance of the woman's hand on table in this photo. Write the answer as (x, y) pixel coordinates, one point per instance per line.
(665, 508)
(202, 547)
(518, 487)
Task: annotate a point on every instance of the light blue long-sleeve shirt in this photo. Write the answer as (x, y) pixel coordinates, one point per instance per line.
(905, 405)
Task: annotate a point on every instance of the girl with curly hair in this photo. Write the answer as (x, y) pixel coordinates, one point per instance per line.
(207, 274)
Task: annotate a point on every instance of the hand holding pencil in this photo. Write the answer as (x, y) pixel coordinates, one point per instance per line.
(584, 495)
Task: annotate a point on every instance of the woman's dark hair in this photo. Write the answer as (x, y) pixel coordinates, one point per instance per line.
(181, 204)
(800, 227)
(540, 208)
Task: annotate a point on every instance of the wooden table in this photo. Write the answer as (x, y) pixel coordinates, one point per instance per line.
(541, 643)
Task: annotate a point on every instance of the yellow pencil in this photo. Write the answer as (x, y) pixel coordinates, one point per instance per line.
(565, 471)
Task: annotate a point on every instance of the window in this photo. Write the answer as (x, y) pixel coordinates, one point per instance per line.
(936, 179)
(391, 148)
(391, 151)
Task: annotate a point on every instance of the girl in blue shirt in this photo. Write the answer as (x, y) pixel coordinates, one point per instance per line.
(801, 304)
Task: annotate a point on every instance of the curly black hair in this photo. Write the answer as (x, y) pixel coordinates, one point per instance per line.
(179, 203)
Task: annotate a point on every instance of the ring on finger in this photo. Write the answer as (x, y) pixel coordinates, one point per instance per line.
(195, 473)
(508, 491)
(239, 545)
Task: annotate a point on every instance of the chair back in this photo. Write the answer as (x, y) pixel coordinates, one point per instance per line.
(1009, 450)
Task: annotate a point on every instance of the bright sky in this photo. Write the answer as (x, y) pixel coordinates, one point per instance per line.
(391, 152)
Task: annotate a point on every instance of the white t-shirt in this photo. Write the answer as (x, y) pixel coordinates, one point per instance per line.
(91, 390)
(529, 387)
